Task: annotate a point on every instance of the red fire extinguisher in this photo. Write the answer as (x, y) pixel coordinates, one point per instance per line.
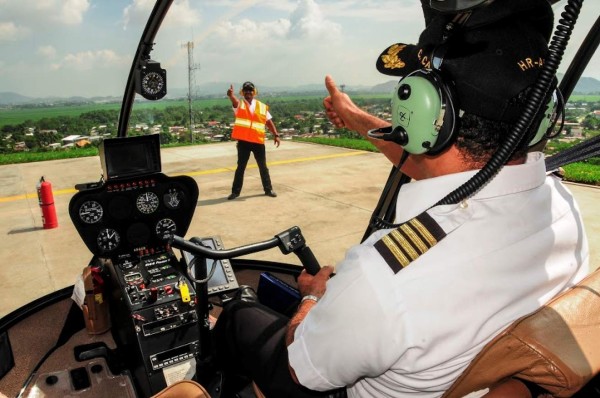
(46, 200)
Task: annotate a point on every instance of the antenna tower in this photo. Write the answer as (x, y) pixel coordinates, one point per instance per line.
(191, 83)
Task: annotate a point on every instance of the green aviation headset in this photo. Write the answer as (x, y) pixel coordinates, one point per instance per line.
(425, 109)
(426, 116)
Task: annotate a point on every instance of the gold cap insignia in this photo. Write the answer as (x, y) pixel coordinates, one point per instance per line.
(391, 60)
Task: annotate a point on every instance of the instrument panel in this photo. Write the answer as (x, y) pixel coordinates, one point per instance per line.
(134, 215)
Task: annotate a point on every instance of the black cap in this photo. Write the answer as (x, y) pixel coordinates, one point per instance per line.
(491, 59)
(248, 86)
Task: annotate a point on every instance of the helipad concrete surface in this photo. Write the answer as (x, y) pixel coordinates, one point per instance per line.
(328, 192)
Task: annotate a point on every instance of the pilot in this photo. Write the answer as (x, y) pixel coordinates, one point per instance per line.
(411, 306)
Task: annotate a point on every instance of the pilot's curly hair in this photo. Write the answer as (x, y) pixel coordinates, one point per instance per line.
(478, 138)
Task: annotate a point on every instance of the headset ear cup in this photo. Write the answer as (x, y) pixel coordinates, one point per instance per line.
(424, 108)
(450, 124)
(548, 120)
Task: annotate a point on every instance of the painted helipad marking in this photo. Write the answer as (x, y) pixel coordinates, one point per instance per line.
(199, 173)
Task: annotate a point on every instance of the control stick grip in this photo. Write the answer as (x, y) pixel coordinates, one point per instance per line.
(308, 260)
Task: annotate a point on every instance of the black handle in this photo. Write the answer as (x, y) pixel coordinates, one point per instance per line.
(308, 260)
(289, 241)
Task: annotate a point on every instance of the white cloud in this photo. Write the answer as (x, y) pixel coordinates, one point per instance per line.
(272, 42)
(307, 21)
(245, 31)
(89, 60)
(137, 12)
(48, 52)
(37, 13)
(11, 32)
(72, 11)
(399, 11)
(180, 14)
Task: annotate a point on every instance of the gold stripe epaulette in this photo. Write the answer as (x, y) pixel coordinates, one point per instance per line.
(406, 243)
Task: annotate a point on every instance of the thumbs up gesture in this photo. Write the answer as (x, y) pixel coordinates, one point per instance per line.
(230, 91)
(337, 104)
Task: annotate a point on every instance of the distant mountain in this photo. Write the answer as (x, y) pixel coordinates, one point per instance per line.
(386, 87)
(586, 85)
(218, 89)
(10, 98)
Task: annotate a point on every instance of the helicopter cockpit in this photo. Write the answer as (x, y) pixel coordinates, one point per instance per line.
(151, 295)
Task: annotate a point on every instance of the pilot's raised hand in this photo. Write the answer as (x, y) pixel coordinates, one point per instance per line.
(338, 106)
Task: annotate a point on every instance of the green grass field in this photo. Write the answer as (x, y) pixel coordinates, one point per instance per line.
(584, 98)
(579, 172)
(18, 115)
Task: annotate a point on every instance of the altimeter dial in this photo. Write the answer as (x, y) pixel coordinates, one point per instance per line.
(147, 202)
(91, 212)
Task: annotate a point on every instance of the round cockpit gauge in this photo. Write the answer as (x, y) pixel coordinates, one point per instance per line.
(152, 83)
(108, 239)
(173, 198)
(147, 202)
(91, 212)
(165, 228)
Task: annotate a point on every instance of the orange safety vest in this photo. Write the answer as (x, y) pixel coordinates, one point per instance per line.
(250, 126)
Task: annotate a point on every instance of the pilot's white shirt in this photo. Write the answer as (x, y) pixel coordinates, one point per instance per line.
(510, 248)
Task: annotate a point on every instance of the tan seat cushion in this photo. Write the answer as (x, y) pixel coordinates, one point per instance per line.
(556, 347)
(183, 389)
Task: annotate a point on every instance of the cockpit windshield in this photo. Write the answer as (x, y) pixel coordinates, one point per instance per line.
(64, 72)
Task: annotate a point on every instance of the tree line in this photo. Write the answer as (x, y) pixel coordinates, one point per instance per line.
(38, 134)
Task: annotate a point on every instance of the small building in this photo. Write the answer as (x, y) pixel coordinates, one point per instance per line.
(20, 147)
(72, 139)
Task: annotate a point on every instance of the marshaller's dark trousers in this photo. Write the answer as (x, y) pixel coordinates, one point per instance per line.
(250, 341)
(244, 148)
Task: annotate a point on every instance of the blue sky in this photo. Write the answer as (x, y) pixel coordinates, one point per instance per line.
(85, 47)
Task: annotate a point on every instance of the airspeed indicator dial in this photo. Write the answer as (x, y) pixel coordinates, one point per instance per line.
(165, 228)
(147, 203)
(91, 212)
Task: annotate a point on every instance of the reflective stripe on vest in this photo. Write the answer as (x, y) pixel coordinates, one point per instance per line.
(250, 126)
